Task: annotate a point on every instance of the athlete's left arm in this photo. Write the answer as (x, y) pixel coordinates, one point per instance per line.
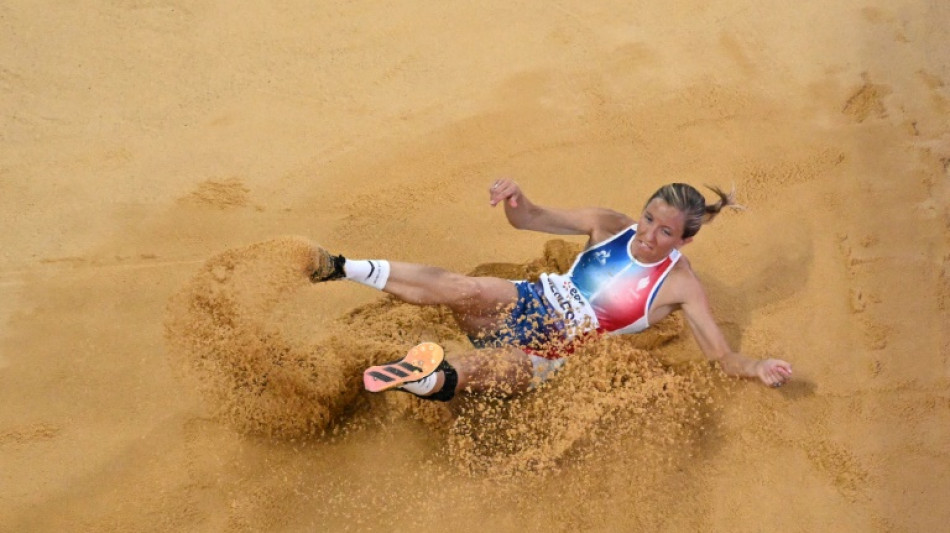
(695, 305)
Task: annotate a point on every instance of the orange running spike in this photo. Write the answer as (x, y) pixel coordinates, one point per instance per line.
(421, 361)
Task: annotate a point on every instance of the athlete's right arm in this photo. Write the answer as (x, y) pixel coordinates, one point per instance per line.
(522, 213)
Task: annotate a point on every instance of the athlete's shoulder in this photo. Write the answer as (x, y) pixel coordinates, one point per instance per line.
(609, 224)
(683, 282)
(683, 264)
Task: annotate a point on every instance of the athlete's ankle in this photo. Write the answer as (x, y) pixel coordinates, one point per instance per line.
(444, 390)
(426, 386)
(373, 273)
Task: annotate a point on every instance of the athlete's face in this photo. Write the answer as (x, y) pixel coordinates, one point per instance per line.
(659, 230)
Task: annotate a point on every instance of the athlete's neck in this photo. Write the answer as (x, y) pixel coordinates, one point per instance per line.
(644, 258)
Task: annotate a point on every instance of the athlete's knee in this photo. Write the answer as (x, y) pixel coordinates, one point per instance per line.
(462, 294)
(427, 285)
(461, 291)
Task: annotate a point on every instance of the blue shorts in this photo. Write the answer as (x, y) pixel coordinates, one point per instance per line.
(532, 325)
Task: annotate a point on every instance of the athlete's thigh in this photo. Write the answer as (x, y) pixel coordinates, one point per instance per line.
(491, 301)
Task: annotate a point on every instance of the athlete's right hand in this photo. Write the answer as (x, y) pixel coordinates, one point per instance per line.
(504, 190)
(773, 372)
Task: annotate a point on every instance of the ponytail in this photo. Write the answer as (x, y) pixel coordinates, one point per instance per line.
(725, 200)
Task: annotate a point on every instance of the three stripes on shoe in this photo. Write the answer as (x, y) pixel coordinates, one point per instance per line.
(418, 363)
(392, 372)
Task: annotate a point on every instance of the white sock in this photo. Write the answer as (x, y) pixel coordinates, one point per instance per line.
(374, 273)
(424, 386)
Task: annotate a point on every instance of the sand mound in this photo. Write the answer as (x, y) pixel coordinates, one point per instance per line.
(223, 335)
(609, 393)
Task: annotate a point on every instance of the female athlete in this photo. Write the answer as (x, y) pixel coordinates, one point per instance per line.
(630, 275)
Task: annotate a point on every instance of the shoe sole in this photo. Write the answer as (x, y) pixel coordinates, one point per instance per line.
(321, 264)
(418, 363)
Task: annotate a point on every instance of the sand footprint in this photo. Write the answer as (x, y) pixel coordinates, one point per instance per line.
(29, 433)
(862, 299)
(221, 194)
(761, 179)
(866, 102)
(846, 472)
(888, 20)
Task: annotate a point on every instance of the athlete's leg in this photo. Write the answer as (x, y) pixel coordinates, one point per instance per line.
(476, 302)
(501, 371)
(505, 370)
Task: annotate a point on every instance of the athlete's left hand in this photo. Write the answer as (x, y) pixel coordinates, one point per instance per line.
(773, 372)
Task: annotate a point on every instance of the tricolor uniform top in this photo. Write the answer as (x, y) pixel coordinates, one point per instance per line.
(607, 289)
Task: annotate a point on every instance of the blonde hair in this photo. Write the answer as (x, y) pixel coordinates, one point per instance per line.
(687, 199)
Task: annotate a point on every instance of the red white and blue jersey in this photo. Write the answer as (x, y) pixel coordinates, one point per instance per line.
(607, 289)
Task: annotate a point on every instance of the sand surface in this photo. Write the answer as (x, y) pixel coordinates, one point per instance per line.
(150, 383)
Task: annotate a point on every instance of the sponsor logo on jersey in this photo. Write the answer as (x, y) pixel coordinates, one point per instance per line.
(642, 284)
(562, 302)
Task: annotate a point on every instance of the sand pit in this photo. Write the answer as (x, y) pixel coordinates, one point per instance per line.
(148, 145)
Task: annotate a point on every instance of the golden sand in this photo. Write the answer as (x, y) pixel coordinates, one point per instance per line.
(161, 372)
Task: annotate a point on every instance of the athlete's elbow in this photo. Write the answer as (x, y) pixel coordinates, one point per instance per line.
(517, 222)
(523, 218)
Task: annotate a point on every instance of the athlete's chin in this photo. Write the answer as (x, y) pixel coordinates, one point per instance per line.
(650, 255)
(643, 253)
